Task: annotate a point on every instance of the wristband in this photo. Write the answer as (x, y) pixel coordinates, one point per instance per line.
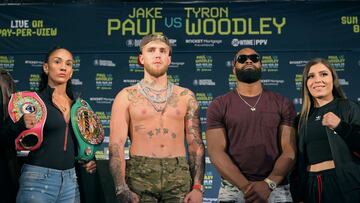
(198, 187)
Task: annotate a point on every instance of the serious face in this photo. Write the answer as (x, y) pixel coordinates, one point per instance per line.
(247, 66)
(156, 58)
(59, 67)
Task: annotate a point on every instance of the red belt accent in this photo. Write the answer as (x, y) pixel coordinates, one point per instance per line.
(319, 181)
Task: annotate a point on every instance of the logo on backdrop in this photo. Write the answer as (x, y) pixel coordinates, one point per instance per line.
(104, 81)
(203, 63)
(337, 61)
(134, 67)
(204, 99)
(104, 63)
(7, 63)
(174, 79)
(298, 81)
(195, 21)
(34, 81)
(28, 28)
(270, 63)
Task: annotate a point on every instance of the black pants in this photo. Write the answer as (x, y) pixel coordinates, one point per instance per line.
(322, 187)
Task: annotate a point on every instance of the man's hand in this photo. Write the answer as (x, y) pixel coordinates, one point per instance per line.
(125, 195)
(258, 191)
(90, 166)
(195, 196)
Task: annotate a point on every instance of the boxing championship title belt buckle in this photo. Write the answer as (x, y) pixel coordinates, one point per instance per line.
(28, 102)
(88, 129)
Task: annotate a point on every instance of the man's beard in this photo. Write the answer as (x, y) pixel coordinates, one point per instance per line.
(248, 75)
(157, 72)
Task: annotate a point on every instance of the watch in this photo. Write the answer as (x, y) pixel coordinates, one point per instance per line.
(198, 187)
(272, 185)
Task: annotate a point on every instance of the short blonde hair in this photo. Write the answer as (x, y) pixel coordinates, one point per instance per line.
(154, 37)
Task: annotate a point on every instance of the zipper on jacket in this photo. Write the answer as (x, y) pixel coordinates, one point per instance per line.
(66, 136)
(66, 129)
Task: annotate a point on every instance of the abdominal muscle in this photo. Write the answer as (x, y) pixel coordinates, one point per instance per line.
(158, 136)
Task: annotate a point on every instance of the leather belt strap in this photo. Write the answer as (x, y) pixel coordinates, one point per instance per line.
(28, 102)
(88, 129)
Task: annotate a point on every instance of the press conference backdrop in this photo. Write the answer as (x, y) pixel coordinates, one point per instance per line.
(105, 39)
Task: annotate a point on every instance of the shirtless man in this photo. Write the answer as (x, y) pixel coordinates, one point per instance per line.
(157, 116)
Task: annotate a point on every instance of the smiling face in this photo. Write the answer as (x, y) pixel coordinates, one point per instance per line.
(59, 67)
(320, 82)
(155, 57)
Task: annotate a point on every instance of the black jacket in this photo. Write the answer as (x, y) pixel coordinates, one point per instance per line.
(343, 140)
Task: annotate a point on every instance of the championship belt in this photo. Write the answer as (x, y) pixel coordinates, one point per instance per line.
(28, 102)
(88, 129)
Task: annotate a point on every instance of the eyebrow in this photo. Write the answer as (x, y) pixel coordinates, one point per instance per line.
(56, 57)
(322, 71)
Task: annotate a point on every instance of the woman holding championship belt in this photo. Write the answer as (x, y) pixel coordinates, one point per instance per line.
(48, 174)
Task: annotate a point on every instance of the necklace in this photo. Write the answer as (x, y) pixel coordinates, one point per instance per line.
(252, 108)
(156, 100)
(150, 88)
(155, 95)
(58, 104)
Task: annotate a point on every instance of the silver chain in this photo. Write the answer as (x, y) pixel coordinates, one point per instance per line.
(156, 100)
(147, 86)
(252, 108)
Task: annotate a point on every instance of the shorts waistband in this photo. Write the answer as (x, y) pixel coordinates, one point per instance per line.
(158, 160)
(324, 172)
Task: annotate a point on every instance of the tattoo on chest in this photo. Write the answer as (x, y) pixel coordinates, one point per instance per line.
(133, 95)
(139, 128)
(159, 132)
(165, 130)
(173, 100)
(185, 92)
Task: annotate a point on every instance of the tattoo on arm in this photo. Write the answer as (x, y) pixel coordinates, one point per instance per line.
(115, 164)
(196, 146)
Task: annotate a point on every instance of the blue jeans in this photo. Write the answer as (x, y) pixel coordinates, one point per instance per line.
(45, 185)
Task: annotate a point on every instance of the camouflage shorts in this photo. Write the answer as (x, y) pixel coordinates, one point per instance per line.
(228, 193)
(158, 179)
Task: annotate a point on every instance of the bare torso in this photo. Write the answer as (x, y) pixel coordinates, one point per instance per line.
(157, 134)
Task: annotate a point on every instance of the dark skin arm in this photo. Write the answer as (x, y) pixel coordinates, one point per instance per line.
(259, 190)
(216, 142)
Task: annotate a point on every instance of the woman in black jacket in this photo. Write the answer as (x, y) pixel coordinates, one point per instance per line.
(328, 139)
(48, 174)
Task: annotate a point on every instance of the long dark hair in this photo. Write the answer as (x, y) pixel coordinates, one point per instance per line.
(44, 77)
(7, 88)
(307, 99)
